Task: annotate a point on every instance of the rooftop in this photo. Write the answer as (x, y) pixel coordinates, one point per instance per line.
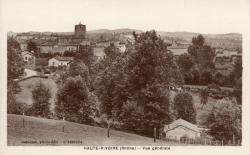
(63, 58)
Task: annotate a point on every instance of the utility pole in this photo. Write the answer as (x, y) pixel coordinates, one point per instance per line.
(108, 129)
(233, 139)
(23, 121)
(63, 124)
(154, 134)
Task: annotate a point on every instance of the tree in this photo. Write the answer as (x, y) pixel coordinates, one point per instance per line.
(204, 94)
(14, 60)
(31, 46)
(196, 77)
(185, 62)
(41, 100)
(78, 68)
(140, 78)
(85, 54)
(237, 70)
(198, 41)
(111, 52)
(237, 91)
(72, 101)
(183, 104)
(219, 79)
(225, 122)
(15, 69)
(206, 77)
(202, 54)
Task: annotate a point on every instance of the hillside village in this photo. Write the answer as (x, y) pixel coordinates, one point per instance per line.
(136, 82)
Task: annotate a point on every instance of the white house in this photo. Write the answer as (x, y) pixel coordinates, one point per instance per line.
(60, 61)
(181, 128)
(28, 57)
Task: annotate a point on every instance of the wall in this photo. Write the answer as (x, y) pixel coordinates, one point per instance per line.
(57, 63)
(182, 131)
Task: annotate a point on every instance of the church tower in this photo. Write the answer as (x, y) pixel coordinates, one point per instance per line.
(80, 30)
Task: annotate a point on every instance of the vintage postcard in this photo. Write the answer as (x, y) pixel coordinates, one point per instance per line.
(116, 75)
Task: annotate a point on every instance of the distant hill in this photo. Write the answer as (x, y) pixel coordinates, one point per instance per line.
(124, 31)
(228, 40)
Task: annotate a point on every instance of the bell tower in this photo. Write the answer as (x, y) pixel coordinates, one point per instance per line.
(80, 30)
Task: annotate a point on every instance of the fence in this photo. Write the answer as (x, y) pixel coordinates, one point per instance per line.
(190, 141)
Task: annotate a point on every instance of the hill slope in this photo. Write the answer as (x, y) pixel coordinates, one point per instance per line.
(39, 129)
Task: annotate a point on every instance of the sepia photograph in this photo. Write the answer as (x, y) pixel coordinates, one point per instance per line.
(125, 74)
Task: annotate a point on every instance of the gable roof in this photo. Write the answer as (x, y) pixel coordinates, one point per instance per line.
(183, 123)
(27, 52)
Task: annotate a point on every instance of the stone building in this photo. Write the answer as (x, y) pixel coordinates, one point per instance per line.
(63, 43)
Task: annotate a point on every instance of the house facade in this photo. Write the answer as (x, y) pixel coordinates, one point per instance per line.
(28, 58)
(181, 128)
(60, 61)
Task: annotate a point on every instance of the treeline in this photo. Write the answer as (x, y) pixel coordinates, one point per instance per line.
(197, 66)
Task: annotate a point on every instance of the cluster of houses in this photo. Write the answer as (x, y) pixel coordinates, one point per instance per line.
(55, 43)
(30, 60)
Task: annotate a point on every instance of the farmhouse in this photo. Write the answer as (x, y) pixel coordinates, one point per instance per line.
(181, 128)
(60, 61)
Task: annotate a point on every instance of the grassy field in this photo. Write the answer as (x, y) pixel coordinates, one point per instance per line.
(39, 129)
(25, 96)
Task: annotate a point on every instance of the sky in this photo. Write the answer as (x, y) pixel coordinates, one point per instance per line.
(202, 16)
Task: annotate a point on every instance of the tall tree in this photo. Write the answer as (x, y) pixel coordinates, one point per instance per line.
(41, 104)
(86, 55)
(202, 54)
(15, 69)
(198, 41)
(14, 59)
(204, 94)
(33, 47)
(140, 78)
(183, 104)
